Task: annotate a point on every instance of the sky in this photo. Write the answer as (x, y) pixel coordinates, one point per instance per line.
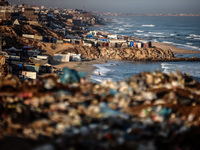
(123, 6)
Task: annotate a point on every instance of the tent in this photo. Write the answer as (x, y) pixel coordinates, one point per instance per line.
(89, 36)
(16, 22)
(61, 57)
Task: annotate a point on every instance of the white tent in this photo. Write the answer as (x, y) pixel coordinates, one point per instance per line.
(16, 22)
(75, 57)
(61, 57)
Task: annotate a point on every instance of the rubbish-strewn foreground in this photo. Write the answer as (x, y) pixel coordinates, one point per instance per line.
(148, 111)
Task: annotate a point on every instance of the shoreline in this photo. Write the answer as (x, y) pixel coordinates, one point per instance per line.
(82, 66)
(174, 49)
(88, 66)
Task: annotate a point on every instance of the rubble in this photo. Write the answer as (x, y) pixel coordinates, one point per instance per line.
(151, 110)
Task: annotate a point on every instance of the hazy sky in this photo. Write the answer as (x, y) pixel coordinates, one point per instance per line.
(126, 6)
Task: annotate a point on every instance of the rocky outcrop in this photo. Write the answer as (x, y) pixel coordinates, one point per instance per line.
(87, 52)
(120, 53)
(130, 54)
(135, 54)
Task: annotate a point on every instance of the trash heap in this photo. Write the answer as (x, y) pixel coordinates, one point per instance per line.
(151, 110)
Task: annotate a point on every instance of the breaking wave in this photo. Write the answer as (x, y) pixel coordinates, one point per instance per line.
(156, 32)
(148, 25)
(140, 31)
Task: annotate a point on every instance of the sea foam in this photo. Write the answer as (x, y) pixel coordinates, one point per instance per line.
(148, 25)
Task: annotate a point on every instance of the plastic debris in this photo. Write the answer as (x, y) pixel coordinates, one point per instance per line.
(147, 111)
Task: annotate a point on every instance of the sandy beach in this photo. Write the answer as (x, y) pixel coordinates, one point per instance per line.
(84, 66)
(174, 49)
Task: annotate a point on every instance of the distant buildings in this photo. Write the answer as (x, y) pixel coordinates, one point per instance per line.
(30, 14)
(4, 3)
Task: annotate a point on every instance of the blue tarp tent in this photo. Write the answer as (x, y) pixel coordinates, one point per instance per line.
(131, 44)
(51, 16)
(103, 39)
(89, 36)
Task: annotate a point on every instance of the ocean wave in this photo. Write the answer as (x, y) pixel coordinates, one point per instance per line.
(188, 46)
(196, 38)
(116, 27)
(121, 29)
(155, 40)
(101, 68)
(172, 34)
(165, 67)
(156, 32)
(97, 79)
(168, 42)
(116, 31)
(110, 30)
(194, 35)
(189, 43)
(115, 20)
(120, 22)
(148, 25)
(140, 34)
(188, 68)
(140, 31)
(172, 67)
(188, 37)
(159, 36)
(128, 25)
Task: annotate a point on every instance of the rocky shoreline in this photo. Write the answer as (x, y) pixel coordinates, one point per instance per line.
(130, 54)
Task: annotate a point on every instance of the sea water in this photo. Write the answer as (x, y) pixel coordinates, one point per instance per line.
(180, 31)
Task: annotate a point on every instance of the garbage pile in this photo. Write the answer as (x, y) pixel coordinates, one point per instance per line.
(152, 110)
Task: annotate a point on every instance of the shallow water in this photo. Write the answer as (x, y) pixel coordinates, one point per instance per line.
(119, 70)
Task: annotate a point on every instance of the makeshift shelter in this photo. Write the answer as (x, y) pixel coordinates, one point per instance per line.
(75, 57)
(61, 57)
(89, 36)
(29, 75)
(32, 68)
(46, 68)
(16, 22)
(39, 61)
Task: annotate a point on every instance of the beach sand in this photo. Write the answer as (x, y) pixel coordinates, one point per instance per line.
(88, 67)
(174, 49)
(84, 66)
